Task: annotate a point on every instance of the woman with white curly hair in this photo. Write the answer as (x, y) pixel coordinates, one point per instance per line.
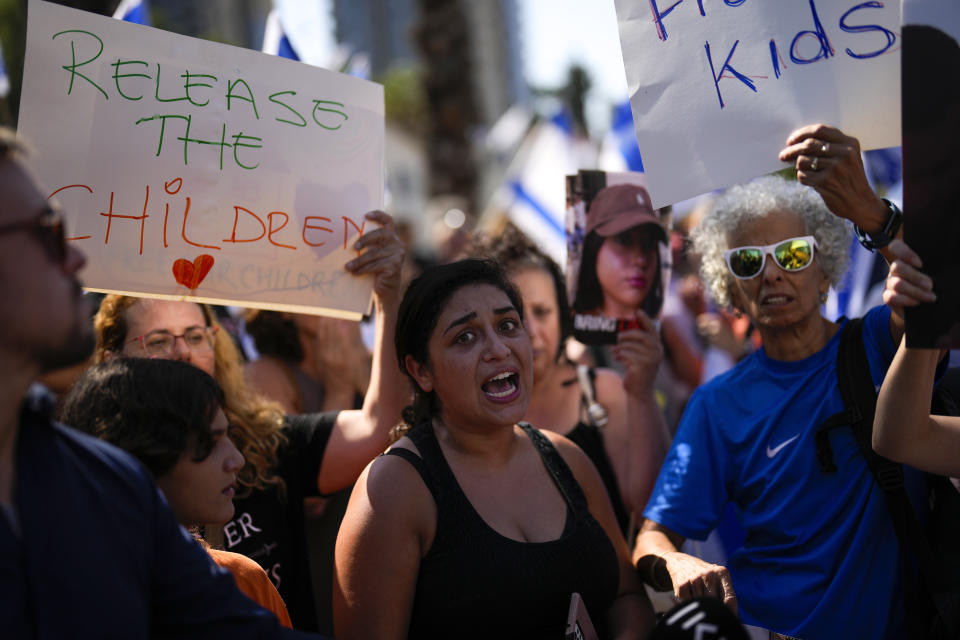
(821, 557)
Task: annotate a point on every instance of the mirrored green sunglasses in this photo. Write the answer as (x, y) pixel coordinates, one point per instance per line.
(792, 254)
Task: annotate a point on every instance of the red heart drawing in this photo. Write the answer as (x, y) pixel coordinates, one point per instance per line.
(192, 274)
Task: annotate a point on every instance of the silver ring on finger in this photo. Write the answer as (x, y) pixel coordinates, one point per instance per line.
(823, 149)
(814, 162)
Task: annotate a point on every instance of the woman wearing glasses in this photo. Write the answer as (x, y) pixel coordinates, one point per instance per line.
(287, 457)
(821, 558)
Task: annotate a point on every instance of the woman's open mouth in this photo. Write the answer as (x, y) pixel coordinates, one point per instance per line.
(774, 300)
(502, 387)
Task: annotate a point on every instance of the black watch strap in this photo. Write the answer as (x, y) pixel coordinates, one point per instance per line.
(882, 238)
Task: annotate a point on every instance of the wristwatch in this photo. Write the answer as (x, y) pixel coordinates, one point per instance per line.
(880, 239)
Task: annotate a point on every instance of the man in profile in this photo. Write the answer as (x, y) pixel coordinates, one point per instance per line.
(88, 546)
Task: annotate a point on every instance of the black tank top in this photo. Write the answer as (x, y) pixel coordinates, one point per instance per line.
(588, 437)
(475, 583)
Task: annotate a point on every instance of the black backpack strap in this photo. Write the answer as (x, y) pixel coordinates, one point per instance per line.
(860, 399)
(846, 381)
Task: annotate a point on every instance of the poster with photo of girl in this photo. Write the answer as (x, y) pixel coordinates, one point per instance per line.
(618, 255)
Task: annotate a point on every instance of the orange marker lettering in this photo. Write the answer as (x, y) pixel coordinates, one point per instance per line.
(307, 225)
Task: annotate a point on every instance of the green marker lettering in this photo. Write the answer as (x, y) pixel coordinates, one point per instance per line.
(303, 121)
(189, 84)
(117, 76)
(238, 141)
(156, 92)
(317, 107)
(163, 125)
(72, 68)
(249, 97)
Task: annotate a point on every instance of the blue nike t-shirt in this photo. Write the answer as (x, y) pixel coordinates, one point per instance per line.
(821, 558)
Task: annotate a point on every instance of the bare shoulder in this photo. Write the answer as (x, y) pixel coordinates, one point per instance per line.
(392, 478)
(391, 498)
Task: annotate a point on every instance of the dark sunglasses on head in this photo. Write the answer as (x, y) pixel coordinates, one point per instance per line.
(48, 228)
(792, 254)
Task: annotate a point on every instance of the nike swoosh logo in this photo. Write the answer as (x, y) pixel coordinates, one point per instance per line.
(772, 452)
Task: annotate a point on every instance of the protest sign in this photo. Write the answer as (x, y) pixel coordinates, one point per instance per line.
(716, 87)
(194, 170)
(931, 166)
(618, 255)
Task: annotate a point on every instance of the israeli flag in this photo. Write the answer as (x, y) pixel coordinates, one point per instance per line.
(619, 150)
(302, 30)
(275, 40)
(135, 11)
(4, 78)
(534, 193)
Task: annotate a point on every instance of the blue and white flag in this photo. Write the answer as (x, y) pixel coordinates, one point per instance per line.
(302, 30)
(275, 40)
(4, 78)
(135, 11)
(619, 150)
(534, 190)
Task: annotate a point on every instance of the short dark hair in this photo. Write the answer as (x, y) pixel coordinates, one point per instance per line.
(589, 294)
(420, 309)
(154, 409)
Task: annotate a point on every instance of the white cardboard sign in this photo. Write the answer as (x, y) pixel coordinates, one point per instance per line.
(716, 86)
(194, 170)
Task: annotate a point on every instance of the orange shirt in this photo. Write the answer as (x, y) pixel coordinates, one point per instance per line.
(253, 581)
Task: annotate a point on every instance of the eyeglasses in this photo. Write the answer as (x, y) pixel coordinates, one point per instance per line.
(160, 344)
(48, 228)
(792, 254)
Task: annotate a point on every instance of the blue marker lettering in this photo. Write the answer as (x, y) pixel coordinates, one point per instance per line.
(819, 33)
(891, 36)
(726, 66)
(774, 58)
(658, 16)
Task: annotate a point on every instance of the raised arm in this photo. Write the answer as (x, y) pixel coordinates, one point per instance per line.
(838, 176)
(360, 435)
(829, 161)
(636, 438)
(903, 430)
(665, 568)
